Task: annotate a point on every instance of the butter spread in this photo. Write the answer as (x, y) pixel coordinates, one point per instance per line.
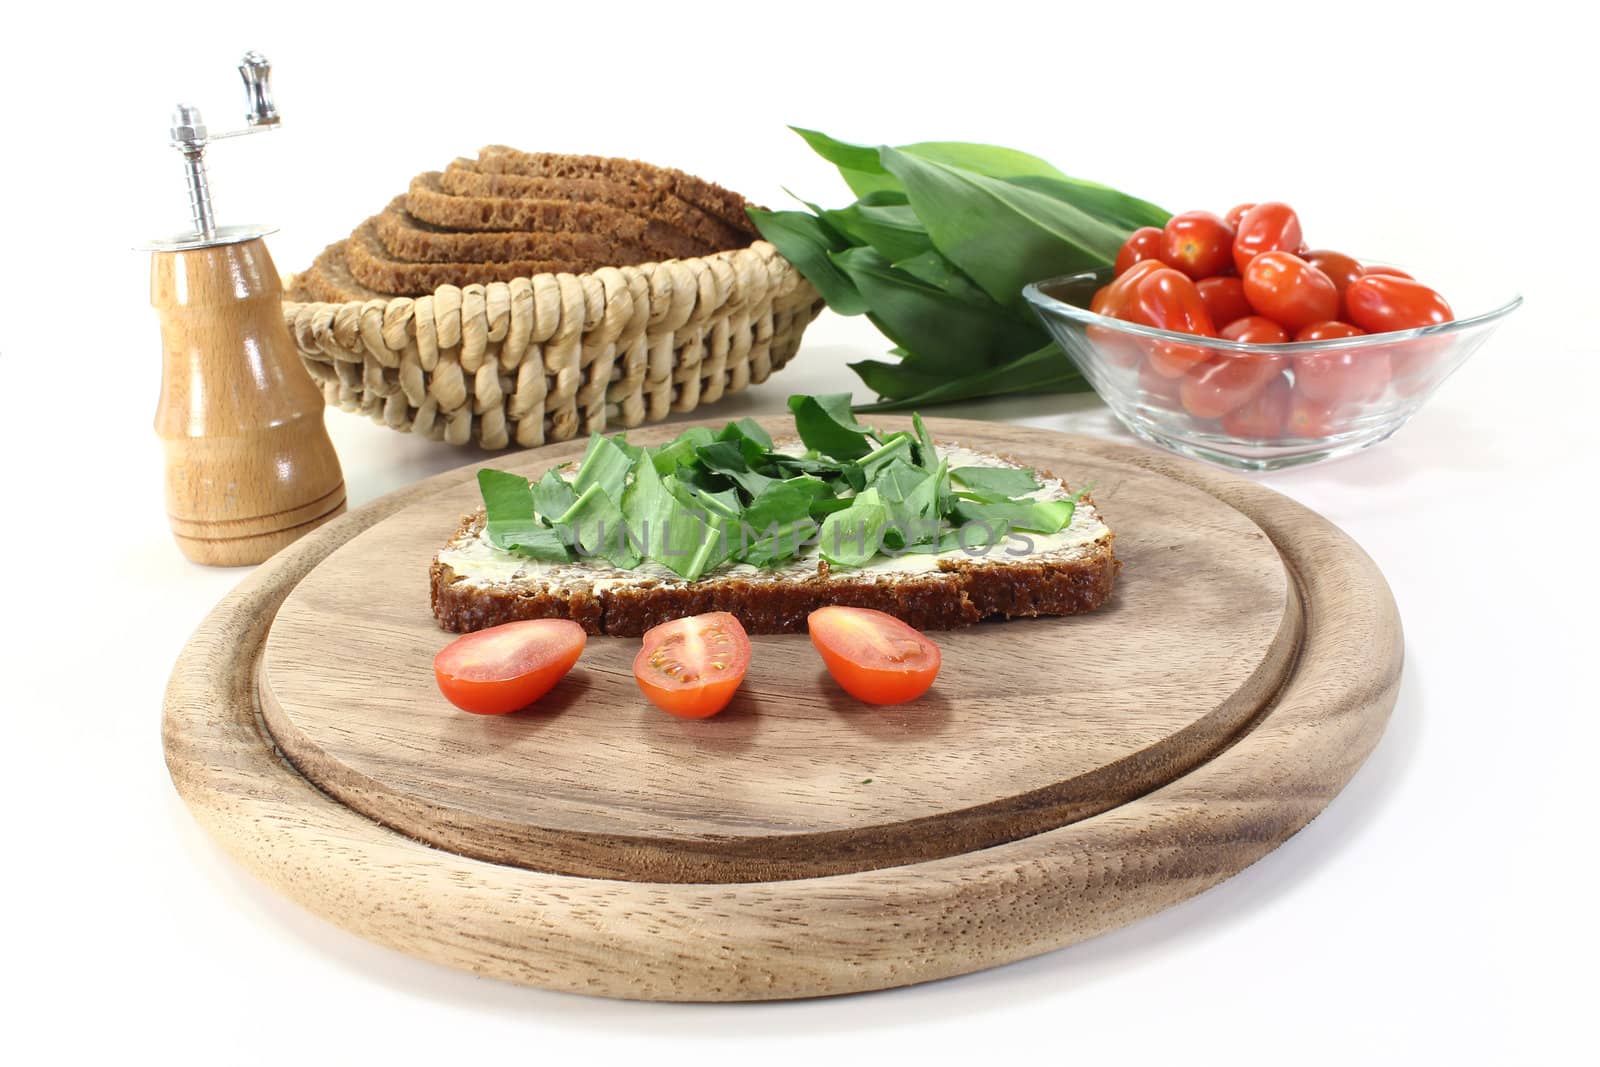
(480, 563)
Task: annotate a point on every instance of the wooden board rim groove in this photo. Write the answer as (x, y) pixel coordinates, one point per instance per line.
(638, 940)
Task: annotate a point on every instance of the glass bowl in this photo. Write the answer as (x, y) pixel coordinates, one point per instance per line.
(1365, 388)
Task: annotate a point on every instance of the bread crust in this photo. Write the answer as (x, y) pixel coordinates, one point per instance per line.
(961, 592)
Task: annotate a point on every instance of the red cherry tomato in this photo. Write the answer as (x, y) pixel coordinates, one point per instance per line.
(1236, 213)
(1121, 295)
(506, 667)
(1269, 227)
(1168, 300)
(1224, 299)
(691, 667)
(1311, 418)
(873, 655)
(1328, 331)
(1261, 418)
(1143, 243)
(1380, 303)
(1342, 376)
(1340, 268)
(1159, 390)
(1289, 291)
(1197, 243)
(1378, 268)
(1227, 383)
(1255, 330)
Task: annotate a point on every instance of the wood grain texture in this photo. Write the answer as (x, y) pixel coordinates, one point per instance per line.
(809, 936)
(1033, 724)
(249, 466)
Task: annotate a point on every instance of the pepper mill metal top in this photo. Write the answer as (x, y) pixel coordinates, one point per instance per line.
(190, 137)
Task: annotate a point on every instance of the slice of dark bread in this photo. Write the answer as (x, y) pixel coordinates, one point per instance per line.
(372, 265)
(409, 238)
(462, 178)
(947, 591)
(711, 198)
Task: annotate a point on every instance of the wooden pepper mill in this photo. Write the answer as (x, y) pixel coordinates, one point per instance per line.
(249, 464)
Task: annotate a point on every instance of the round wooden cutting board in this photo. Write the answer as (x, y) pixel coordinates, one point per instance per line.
(1064, 776)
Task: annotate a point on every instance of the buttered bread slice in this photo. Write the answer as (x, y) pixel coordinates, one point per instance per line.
(476, 584)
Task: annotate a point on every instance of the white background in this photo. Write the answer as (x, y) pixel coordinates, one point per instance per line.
(1439, 911)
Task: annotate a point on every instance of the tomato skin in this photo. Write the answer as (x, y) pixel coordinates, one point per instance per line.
(1224, 299)
(1329, 331)
(1381, 303)
(1227, 383)
(1268, 227)
(1290, 291)
(1142, 244)
(1159, 390)
(874, 656)
(1378, 268)
(504, 668)
(1197, 243)
(1256, 330)
(691, 667)
(1348, 376)
(1168, 300)
(1262, 417)
(1236, 213)
(1311, 418)
(1340, 268)
(1121, 296)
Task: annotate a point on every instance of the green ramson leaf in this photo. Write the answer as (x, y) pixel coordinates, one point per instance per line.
(932, 268)
(948, 335)
(896, 447)
(598, 528)
(997, 483)
(747, 430)
(553, 495)
(605, 464)
(826, 425)
(858, 164)
(850, 538)
(507, 497)
(991, 160)
(680, 451)
(1117, 208)
(1036, 516)
(770, 546)
(894, 231)
(806, 242)
(729, 460)
(646, 505)
(784, 502)
(509, 520)
(1046, 370)
(1000, 234)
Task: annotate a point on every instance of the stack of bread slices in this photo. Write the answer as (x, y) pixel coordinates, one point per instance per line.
(510, 214)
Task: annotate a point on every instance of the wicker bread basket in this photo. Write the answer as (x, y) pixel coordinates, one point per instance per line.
(540, 359)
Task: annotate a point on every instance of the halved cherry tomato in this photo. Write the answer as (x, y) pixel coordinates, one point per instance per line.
(1340, 268)
(1380, 303)
(1329, 331)
(1224, 299)
(1268, 227)
(1261, 418)
(873, 655)
(1378, 268)
(1289, 291)
(1227, 383)
(691, 667)
(1236, 213)
(1143, 243)
(1256, 330)
(1197, 243)
(506, 667)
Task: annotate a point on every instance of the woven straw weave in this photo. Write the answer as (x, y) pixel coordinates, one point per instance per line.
(541, 359)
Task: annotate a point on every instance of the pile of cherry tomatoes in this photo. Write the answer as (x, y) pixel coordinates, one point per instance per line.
(1249, 277)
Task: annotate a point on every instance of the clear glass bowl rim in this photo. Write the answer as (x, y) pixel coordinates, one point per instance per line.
(1034, 293)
